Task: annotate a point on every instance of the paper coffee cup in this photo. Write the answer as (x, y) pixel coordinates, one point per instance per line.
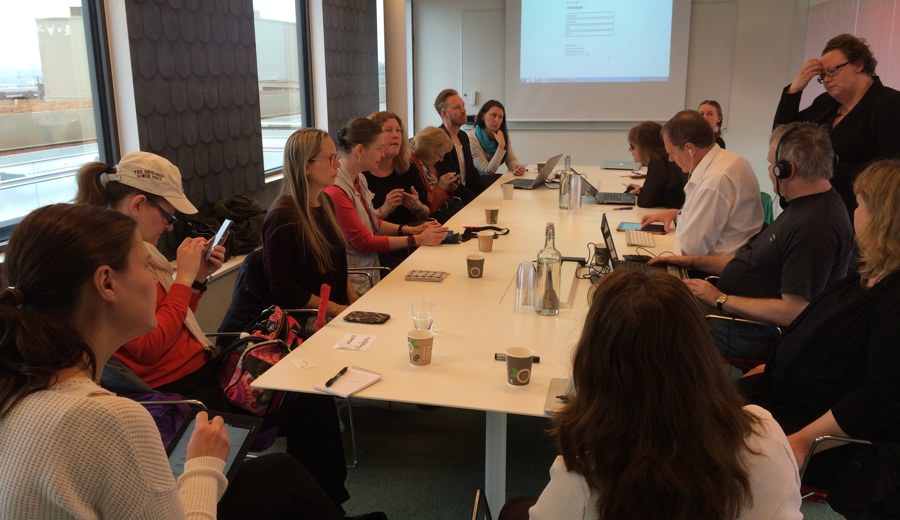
(475, 266)
(486, 241)
(518, 365)
(508, 190)
(420, 343)
(491, 215)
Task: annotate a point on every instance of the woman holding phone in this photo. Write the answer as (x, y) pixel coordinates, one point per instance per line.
(73, 296)
(174, 357)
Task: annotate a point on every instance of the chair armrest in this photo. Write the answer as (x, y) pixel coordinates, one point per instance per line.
(828, 438)
(192, 402)
(740, 320)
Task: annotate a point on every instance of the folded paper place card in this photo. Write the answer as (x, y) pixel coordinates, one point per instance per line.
(355, 342)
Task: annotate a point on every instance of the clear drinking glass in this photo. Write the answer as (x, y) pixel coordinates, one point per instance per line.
(422, 315)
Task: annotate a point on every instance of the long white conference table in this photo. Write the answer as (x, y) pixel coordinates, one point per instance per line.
(474, 318)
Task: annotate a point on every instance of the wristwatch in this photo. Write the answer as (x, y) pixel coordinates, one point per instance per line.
(720, 301)
(400, 230)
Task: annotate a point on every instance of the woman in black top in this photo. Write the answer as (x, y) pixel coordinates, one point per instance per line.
(862, 113)
(400, 196)
(836, 369)
(711, 110)
(664, 185)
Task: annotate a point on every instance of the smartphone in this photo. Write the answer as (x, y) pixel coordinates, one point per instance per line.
(372, 318)
(636, 226)
(220, 237)
(451, 238)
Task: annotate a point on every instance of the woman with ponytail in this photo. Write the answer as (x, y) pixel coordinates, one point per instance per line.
(75, 450)
(359, 148)
(174, 356)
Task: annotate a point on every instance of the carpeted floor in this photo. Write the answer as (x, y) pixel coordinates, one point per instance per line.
(426, 464)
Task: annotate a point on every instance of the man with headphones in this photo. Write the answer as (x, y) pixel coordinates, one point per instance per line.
(722, 208)
(774, 277)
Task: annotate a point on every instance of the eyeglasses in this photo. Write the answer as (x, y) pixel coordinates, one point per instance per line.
(168, 217)
(332, 159)
(831, 72)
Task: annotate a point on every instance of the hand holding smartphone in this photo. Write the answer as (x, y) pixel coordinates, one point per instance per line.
(220, 237)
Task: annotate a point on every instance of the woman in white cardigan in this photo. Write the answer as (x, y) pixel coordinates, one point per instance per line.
(490, 141)
(655, 429)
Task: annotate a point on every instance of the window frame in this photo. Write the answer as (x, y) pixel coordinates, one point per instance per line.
(100, 74)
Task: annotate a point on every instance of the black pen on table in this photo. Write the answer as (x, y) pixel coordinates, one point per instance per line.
(335, 378)
(500, 356)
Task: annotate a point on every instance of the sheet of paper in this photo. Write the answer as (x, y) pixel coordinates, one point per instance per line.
(355, 342)
(304, 363)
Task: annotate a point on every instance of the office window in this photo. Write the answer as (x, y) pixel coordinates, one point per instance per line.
(282, 86)
(382, 92)
(47, 122)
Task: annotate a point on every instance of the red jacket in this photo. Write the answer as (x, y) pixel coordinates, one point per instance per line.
(168, 352)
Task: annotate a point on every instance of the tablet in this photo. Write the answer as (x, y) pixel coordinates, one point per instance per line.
(241, 431)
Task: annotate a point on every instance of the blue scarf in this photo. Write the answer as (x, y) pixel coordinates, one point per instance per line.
(487, 144)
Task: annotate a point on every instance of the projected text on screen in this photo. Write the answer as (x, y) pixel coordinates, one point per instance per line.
(587, 41)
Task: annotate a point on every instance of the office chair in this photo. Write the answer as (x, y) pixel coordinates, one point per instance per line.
(740, 362)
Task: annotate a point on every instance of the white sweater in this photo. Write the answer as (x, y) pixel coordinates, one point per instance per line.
(774, 481)
(77, 451)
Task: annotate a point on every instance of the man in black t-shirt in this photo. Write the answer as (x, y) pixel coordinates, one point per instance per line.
(773, 278)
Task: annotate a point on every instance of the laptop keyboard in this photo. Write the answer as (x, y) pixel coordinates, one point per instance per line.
(615, 198)
(637, 238)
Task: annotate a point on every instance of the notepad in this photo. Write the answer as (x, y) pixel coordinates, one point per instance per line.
(351, 382)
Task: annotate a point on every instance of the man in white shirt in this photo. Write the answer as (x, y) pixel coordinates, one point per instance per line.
(722, 208)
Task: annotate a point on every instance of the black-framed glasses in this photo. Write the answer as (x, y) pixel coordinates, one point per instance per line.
(831, 72)
(168, 217)
(332, 159)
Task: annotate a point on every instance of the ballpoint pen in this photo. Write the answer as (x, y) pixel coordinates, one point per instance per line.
(335, 378)
(622, 209)
(500, 356)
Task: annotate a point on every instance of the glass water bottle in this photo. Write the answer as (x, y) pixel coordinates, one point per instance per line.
(548, 275)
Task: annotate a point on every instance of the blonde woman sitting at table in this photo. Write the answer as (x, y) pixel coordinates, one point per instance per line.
(445, 194)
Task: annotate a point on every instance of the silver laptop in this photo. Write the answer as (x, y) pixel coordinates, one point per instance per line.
(543, 175)
(620, 165)
(604, 197)
(616, 263)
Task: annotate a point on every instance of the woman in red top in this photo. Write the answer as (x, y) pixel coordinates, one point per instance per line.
(172, 358)
(360, 147)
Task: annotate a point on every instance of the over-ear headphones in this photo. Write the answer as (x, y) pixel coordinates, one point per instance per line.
(783, 169)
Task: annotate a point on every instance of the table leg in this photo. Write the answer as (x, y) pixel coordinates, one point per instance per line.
(495, 460)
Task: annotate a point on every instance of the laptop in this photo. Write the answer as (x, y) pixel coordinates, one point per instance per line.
(241, 431)
(602, 197)
(543, 175)
(620, 165)
(615, 263)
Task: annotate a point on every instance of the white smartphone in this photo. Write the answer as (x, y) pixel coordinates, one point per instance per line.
(220, 237)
